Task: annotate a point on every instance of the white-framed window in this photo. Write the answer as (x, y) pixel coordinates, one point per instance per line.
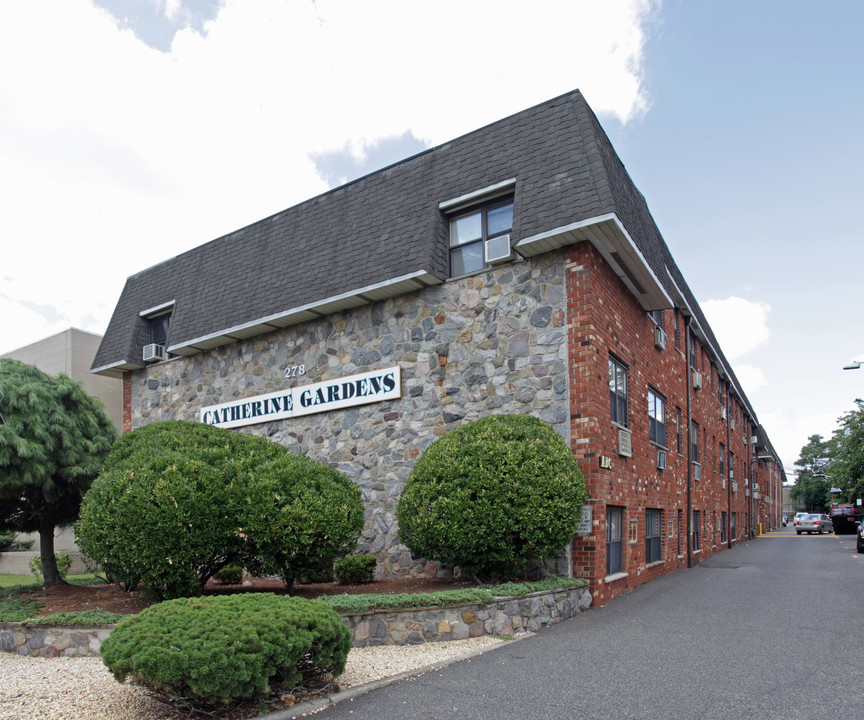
(470, 231)
(656, 417)
(694, 441)
(697, 534)
(614, 518)
(653, 526)
(618, 391)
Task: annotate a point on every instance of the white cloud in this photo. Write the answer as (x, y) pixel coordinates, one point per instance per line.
(740, 325)
(115, 156)
(751, 378)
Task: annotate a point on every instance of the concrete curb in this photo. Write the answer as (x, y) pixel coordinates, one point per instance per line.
(321, 703)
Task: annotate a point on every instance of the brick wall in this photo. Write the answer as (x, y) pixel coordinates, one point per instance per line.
(604, 319)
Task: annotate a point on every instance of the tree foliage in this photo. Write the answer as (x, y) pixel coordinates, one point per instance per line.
(53, 438)
(846, 468)
(812, 489)
(491, 495)
(178, 501)
(837, 462)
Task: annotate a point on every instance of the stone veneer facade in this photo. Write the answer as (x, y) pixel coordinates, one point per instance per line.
(491, 343)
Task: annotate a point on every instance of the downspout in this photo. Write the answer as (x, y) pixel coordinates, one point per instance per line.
(750, 448)
(728, 470)
(687, 374)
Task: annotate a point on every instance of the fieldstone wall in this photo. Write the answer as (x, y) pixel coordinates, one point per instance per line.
(491, 343)
(36, 640)
(505, 616)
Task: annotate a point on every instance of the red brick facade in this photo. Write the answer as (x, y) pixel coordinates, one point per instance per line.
(605, 320)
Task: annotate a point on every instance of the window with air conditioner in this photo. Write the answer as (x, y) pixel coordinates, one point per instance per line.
(480, 237)
(158, 320)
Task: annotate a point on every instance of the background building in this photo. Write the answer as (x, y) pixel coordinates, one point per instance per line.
(512, 270)
(70, 352)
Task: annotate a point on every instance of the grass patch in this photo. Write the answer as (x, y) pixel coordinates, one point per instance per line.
(30, 582)
(13, 609)
(467, 596)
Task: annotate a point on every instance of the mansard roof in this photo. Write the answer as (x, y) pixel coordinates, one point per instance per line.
(386, 234)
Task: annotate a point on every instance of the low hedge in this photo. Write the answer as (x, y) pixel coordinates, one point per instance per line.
(223, 648)
(467, 596)
(85, 618)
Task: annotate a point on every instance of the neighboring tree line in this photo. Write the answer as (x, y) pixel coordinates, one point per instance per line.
(172, 503)
(836, 462)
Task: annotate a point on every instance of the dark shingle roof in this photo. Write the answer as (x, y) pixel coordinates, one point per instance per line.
(358, 239)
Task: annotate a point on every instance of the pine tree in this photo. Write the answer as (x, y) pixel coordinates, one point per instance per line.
(53, 437)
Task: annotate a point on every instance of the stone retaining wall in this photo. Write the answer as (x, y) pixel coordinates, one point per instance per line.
(36, 640)
(504, 616)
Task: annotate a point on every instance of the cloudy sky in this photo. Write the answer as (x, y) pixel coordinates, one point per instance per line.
(132, 130)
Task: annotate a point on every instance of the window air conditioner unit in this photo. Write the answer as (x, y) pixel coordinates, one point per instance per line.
(661, 459)
(625, 444)
(722, 412)
(697, 472)
(154, 352)
(755, 487)
(734, 487)
(732, 423)
(497, 249)
(659, 338)
(753, 439)
(697, 380)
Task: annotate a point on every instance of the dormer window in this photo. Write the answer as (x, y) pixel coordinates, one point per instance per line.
(480, 237)
(158, 319)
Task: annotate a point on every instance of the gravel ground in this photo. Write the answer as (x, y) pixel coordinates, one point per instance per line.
(83, 689)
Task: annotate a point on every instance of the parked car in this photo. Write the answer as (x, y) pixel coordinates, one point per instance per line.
(814, 523)
(843, 518)
(797, 519)
(860, 543)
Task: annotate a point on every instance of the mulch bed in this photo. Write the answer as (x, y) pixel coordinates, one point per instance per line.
(77, 598)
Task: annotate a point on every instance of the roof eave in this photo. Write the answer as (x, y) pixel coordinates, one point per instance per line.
(608, 234)
(311, 311)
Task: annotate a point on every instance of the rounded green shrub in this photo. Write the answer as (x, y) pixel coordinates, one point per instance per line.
(303, 515)
(491, 495)
(355, 569)
(223, 648)
(64, 565)
(229, 575)
(178, 501)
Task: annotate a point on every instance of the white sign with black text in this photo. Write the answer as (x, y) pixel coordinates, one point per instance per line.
(369, 387)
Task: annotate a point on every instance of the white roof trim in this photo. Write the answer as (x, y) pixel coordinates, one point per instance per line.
(608, 234)
(157, 310)
(353, 298)
(477, 195)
